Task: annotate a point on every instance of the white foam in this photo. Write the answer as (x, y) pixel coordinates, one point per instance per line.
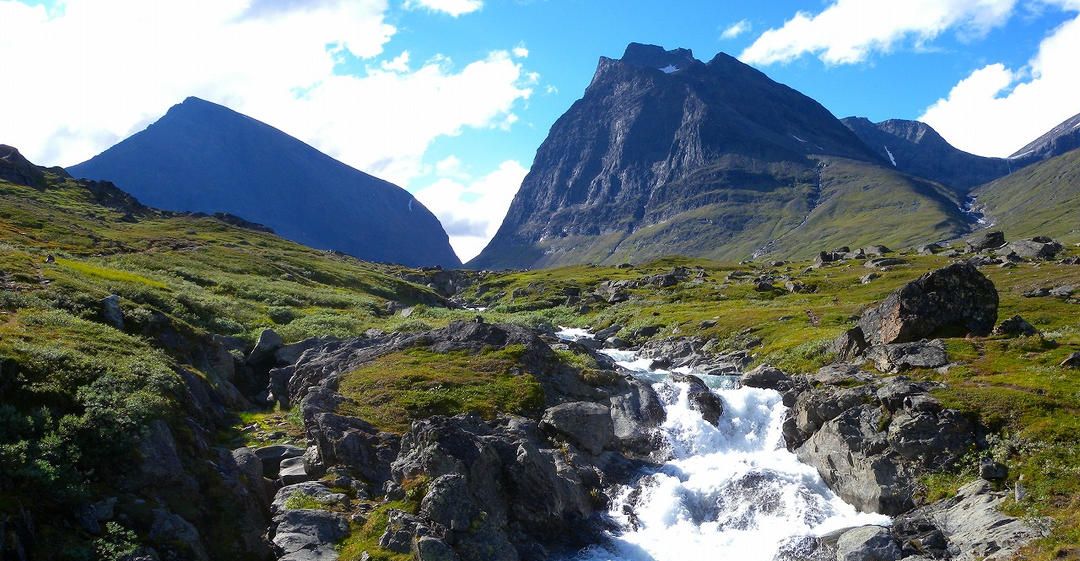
(573, 333)
(730, 492)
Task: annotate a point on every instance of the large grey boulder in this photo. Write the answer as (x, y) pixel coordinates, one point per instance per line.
(111, 312)
(493, 484)
(309, 535)
(1016, 326)
(269, 342)
(867, 543)
(871, 443)
(177, 534)
(899, 357)
(635, 415)
(956, 300)
(1035, 248)
(586, 424)
(766, 377)
(967, 527)
(986, 240)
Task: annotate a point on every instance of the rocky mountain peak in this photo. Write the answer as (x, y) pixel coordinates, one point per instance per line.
(17, 169)
(1057, 141)
(653, 56)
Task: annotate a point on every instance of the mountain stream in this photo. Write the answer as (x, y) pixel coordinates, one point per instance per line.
(732, 491)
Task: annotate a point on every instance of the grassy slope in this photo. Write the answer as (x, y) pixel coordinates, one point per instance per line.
(217, 278)
(863, 204)
(1042, 199)
(859, 204)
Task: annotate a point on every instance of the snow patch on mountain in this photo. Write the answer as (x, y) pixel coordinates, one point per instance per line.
(891, 158)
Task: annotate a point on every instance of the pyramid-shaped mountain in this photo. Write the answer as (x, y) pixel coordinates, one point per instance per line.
(665, 154)
(208, 158)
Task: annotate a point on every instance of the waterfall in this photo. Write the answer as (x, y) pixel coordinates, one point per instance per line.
(732, 491)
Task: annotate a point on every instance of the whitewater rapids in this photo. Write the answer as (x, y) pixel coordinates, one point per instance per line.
(729, 492)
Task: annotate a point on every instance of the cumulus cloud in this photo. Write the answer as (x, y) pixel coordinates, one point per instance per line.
(996, 110)
(86, 73)
(734, 30)
(848, 31)
(471, 208)
(454, 8)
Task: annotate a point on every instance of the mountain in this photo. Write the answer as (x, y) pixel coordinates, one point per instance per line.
(665, 154)
(1042, 199)
(205, 157)
(1056, 141)
(916, 148)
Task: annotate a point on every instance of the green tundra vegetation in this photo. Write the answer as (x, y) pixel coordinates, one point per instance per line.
(76, 392)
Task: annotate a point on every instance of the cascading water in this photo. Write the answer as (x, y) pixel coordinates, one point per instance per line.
(728, 492)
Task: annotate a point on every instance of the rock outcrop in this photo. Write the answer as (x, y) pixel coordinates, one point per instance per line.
(870, 440)
(956, 300)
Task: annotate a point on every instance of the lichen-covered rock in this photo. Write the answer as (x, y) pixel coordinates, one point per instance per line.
(587, 424)
(867, 543)
(899, 357)
(953, 301)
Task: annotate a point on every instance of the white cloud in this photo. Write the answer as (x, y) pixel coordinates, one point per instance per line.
(848, 31)
(520, 51)
(471, 209)
(454, 8)
(734, 30)
(995, 110)
(91, 72)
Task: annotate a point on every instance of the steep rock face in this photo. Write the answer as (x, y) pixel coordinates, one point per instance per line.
(1057, 141)
(916, 148)
(656, 135)
(207, 158)
(665, 154)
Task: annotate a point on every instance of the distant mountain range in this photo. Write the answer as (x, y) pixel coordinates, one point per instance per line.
(665, 154)
(205, 157)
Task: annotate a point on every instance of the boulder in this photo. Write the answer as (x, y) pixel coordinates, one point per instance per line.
(967, 527)
(312, 490)
(308, 535)
(702, 399)
(993, 471)
(111, 312)
(884, 263)
(429, 548)
(635, 415)
(871, 443)
(766, 377)
(272, 456)
(876, 250)
(269, 342)
(292, 470)
(899, 357)
(867, 543)
(869, 278)
(608, 332)
(178, 535)
(986, 240)
(1034, 248)
(1014, 327)
(930, 249)
(586, 424)
(1071, 361)
(952, 301)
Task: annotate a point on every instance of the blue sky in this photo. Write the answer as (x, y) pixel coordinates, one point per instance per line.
(451, 98)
